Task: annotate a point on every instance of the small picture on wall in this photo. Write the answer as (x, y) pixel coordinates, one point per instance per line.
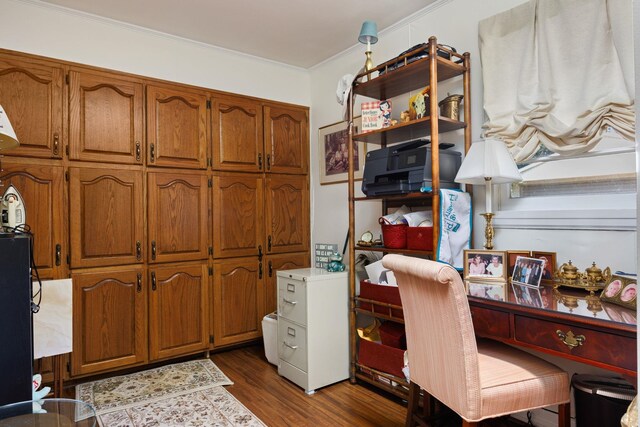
(527, 271)
(512, 255)
(549, 259)
(483, 264)
(333, 152)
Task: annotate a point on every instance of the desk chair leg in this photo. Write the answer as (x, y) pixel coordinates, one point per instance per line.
(413, 403)
(564, 415)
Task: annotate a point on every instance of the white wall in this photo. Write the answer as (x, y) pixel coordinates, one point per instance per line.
(55, 32)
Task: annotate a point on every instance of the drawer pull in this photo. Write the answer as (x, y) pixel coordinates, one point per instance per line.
(570, 340)
(293, 347)
(288, 301)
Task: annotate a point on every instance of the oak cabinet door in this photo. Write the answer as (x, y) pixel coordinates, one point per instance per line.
(286, 140)
(106, 216)
(178, 310)
(109, 320)
(105, 118)
(31, 93)
(237, 135)
(237, 215)
(41, 186)
(275, 263)
(176, 127)
(287, 213)
(178, 216)
(237, 300)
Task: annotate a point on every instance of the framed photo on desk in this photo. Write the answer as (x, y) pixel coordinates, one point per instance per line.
(527, 271)
(480, 264)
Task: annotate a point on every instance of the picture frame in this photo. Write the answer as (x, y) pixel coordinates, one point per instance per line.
(485, 264)
(527, 295)
(549, 258)
(333, 145)
(621, 290)
(527, 271)
(512, 255)
(490, 290)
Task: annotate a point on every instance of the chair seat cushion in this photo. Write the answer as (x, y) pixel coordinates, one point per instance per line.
(512, 380)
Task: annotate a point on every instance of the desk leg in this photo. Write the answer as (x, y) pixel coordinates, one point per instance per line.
(58, 375)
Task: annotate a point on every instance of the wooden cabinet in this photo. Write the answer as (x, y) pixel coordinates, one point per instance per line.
(106, 211)
(237, 300)
(41, 185)
(273, 264)
(105, 118)
(110, 319)
(287, 213)
(31, 93)
(178, 309)
(238, 214)
(176, 127)
(237, 135)
(286, 139)
(178, 216)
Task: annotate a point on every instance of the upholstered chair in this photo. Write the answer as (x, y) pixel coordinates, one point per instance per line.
(477, 379)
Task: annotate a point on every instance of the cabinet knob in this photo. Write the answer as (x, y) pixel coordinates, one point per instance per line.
(268, 162)
(138, 151)
(259, 252)
(270, 269)
(139, 283)
(138, 250)
(153, 281)
(58, 254)
(56, 144)
(152, 153)
(153, 250)
(260, 161)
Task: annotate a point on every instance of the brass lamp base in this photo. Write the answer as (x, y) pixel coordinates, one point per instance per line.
(488, 230)
(368, 64)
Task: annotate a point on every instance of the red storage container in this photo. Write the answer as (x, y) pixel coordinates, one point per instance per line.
(392, 334)
(420, 238)
(394, 236)
(383, 293)
(381, 357)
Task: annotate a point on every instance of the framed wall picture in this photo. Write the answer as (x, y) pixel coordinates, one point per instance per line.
(485, 265)
(333, 152)
(549, 264)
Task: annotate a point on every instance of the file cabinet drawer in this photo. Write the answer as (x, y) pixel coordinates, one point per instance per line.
(292, 300)
(292, 344)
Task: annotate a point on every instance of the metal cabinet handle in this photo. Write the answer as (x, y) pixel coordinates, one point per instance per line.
(153, 281)
(58, 254)
(570, 340)
(268, 162)
(139, 283)
(288, 301)
(138, 151)
(56, 144)
(260, 161)
(293, 347)
(259, 252)
(153, 250)
(260, 270)
(152, 152)
(269, 243)
(270, 269)
(138, 250)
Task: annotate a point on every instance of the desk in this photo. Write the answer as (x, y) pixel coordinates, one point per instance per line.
(546, 320)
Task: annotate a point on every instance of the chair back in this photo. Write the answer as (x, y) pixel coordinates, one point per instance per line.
(443, 356)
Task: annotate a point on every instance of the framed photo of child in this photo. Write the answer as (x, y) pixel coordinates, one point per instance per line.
(484, 264)
(621, 290)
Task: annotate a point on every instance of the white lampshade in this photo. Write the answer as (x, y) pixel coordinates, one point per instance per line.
(8, 138)
(488, 159)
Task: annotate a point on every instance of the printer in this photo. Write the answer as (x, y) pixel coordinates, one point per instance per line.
(406, 167)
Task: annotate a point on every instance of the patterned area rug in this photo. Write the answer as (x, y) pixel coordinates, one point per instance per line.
(183, 394)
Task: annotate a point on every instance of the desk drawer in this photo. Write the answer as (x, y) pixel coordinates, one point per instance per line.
(292, 344)
(597, 346)
(490, 323)
(292, 300)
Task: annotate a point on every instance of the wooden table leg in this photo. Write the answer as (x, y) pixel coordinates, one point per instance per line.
(57, 375)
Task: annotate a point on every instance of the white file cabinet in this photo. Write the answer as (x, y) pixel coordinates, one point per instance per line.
(313, 327)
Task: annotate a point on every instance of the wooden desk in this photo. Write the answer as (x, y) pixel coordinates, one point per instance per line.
(546, 322)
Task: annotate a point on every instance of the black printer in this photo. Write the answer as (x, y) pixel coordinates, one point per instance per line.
(406, 167)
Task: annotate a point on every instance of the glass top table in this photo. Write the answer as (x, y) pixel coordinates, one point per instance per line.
(59, 413)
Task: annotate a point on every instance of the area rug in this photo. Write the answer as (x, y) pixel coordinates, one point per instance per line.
(183, 394)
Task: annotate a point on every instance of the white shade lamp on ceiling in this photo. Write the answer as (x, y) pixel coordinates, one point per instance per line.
(488, 162)
(368, 36)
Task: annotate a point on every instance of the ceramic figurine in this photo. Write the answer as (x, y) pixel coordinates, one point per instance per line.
(335, 263)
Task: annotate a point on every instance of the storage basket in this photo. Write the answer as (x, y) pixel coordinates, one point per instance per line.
(381, 357)
(394, 236)
(420, 238)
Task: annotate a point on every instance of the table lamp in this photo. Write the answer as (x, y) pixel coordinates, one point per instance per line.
(368, 35)
(8, 137)
(488, 162)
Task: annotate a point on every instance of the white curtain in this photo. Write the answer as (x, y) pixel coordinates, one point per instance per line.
(558, 73)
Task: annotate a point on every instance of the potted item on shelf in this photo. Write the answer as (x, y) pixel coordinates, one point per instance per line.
(450, 107)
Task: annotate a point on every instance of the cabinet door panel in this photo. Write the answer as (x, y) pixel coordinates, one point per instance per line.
(178, 310)
(106, 217)
(109, 320)
(237, 300)
(177, 128)
(237, 215)
(275, 263)
(41, 187)
(105, 118)
(286, 133)
(287, 213)
(31, 93)
(237, 135)
(178, 216)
